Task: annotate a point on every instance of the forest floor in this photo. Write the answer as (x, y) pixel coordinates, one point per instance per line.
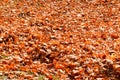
(59, 39)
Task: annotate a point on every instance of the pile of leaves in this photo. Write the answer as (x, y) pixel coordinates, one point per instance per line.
(60, 39)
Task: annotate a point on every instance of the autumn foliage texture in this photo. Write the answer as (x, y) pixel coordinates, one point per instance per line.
(60, 39)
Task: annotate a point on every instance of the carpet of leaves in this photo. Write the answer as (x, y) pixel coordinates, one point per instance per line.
(60, 39)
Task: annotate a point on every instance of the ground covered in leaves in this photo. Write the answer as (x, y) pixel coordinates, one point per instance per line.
(60, 39)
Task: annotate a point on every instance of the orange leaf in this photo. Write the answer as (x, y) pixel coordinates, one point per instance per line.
(1, 68)
(34, 70)
(54, 42)
(28, 76)
(22, 45)
(59, 66)
(24, 68)
(5, 1)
